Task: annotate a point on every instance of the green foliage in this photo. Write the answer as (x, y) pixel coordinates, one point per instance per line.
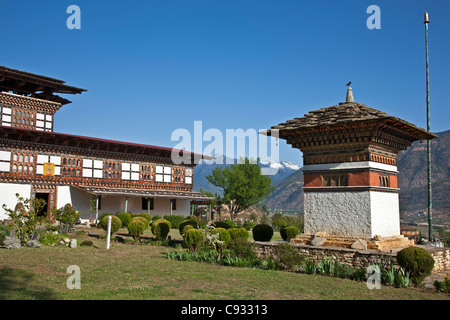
(221, 224)
(145, 221)
(442, 286)
(224, 235)
(288, 257)
(231, 223)
(125, 217)
(116, 223)
(24, 217)
(238, 233)
(289, 232)
(185, 223)
(417, 261)
(175, 220)
(242, 248)
(67, 216)
(155, 217)
(147, 216)
(249, 225)
(243, 185)
(50, 238)
(191, 217)
(86, 243)
(262, 232)
(193, 238)
(136, 227)
(279, 223)
(161, 228)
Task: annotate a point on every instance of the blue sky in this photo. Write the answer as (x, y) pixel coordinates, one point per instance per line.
(151, 67)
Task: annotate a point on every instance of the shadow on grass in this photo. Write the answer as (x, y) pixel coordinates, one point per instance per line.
(16, 285)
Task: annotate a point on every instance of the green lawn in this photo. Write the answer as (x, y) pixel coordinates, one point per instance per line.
(133, 271)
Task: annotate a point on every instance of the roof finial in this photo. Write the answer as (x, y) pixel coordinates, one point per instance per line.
(349, 93)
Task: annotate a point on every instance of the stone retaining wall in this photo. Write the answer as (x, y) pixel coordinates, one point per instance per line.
(351, 257)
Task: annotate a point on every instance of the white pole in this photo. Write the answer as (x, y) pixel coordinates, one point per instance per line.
(108, 237)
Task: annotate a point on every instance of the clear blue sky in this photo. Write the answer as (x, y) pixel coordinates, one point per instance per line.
(151, 67)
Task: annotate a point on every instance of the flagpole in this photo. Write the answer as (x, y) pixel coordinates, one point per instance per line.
(430, 225)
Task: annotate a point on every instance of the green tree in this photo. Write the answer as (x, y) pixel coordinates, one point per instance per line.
(243, 185)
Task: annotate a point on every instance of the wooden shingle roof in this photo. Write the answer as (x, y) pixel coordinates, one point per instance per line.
(345, 113)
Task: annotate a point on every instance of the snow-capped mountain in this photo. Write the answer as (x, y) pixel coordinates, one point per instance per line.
(278, 170)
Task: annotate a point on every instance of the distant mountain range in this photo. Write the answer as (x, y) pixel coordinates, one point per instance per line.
(412, 179)
(282, 169)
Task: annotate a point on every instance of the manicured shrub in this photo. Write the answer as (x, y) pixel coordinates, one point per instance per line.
(99, 223)
(231, 223)
(224, 235)
(289, 232)
(175, 220)
(162, 220)
(146, 216)
(262, 232)
(249, 225)
(238, 233)
(125, 217)
(185, 223)
(116, 223)
(161, 228)
(145, 221)
(86, 243)
(242, 248)
(279, 223)
(186, 228)
(136, 227)
(155, 217)
(221, 224)
(191, 217)
(417, 261)
(193, 238)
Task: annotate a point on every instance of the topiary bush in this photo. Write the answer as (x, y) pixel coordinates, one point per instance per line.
(262, 232)
(193, 238)
(249, 225)
(145, 221)
(224, 235)
(191, 217)
(185, 223)
(238, 233)
(175, 220)
(161, 228)
(289, 232)
(116, 223)
(231, 223)
(125, 217)
(146, 216)
(136, 228)
(417, 261)
(279, 223)
(221, 224)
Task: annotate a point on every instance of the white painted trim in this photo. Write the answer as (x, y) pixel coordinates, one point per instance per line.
(350, 165)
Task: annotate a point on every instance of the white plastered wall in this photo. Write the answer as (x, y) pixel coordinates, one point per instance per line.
(8, 196)
(352, 213)
(344, 213)
(385, 211)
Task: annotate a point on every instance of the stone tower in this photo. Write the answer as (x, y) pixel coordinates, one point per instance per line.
(350, 167)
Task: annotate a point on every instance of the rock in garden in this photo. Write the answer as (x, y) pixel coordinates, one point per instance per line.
(12, 243)
(318, 241)
(73, 243)
(359, 244)
(33, 244)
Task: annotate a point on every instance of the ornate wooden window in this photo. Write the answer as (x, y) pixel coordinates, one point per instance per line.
(22, 163)
(71, 166)
(178, 175)
(23, 119)
(384, 181)
(147, 172)
(335, 180)
(111, 170)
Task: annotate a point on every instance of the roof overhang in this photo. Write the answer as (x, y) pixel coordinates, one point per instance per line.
(143, 193)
